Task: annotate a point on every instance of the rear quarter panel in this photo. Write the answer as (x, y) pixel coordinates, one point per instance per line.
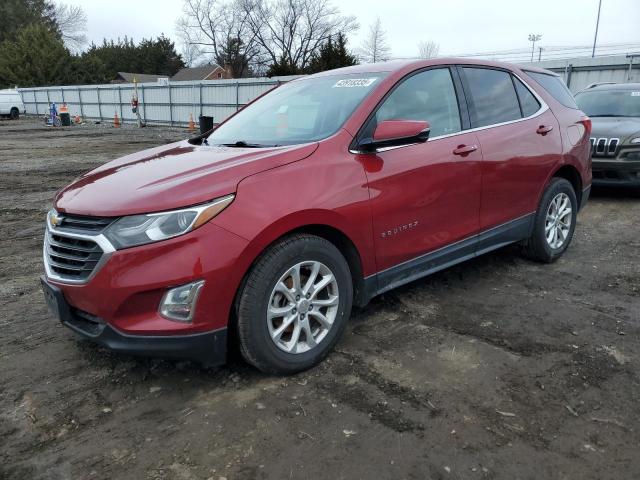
(576, 151)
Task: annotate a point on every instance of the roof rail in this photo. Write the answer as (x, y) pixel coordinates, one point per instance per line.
(598, 84)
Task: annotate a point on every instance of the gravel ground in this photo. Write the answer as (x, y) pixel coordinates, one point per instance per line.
(498, 368)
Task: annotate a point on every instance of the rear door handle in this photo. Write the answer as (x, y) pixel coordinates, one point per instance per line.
(543, 129)
(464, 150)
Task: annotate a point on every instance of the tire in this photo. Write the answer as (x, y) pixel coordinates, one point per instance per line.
(260, 344)
(539, 247)
(14, 114)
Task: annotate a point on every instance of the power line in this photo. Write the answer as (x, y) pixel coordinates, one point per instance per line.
(550, 52)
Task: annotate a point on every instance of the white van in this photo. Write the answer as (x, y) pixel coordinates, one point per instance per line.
(11, 104)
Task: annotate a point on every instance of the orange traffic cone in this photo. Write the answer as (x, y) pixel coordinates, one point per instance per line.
(116, 121)
(192, 125)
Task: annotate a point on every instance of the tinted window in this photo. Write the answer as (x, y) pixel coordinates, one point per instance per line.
(556, 88)
(610, 103)
(493, 96)
(528, 102)
(427, 95)
(301, 111)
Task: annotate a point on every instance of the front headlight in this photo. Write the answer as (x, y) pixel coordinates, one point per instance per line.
(635, 141)
(140, 229)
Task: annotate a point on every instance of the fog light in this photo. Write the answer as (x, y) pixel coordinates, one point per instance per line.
(180, 303)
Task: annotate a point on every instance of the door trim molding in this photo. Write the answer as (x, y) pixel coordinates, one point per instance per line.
(449, 255)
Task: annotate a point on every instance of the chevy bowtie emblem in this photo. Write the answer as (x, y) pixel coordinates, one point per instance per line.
(55, 220)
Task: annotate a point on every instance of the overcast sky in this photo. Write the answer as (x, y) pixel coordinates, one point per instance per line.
(459, 26)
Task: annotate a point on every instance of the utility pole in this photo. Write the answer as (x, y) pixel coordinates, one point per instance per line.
(540, 53)
(595, 37)
(533, 38)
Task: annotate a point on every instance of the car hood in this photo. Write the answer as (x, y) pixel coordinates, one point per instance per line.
(615, 127)
(169, 177)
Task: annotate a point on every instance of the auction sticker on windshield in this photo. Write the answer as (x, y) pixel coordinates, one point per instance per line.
(354, 82)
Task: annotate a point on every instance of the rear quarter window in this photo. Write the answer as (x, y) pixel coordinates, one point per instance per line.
(556, 88)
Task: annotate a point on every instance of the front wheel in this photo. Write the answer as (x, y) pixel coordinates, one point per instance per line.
(14, 114)
(554, 223)
(294, 305)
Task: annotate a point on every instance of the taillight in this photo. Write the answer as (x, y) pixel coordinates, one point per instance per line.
(586, 121)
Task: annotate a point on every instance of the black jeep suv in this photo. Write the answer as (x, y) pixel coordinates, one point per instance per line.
(615, 137)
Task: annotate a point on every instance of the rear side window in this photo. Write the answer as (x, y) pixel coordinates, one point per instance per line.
(493, 96)
(428, 95)
(528, 103)
(556, 88)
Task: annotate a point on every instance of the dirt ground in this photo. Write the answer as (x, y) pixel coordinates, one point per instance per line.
(498, 368)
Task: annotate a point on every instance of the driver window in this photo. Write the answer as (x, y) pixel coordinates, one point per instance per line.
(428, 95)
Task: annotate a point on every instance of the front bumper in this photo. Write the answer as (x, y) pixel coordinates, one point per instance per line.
(615, 173)
(208, 348)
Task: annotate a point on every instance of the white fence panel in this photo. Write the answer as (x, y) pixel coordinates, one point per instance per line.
(171, 104)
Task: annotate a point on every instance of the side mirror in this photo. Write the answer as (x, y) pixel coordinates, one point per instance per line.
(394, 133)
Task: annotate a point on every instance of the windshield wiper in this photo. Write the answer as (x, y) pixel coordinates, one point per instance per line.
(243, 144)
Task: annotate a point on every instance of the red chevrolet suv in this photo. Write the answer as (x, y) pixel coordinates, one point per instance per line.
(321, 194)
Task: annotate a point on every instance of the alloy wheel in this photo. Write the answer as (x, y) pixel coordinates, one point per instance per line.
(558, 221)
(302, 307)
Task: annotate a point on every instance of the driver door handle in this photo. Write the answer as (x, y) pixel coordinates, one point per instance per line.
(464, 150)
(543, 129)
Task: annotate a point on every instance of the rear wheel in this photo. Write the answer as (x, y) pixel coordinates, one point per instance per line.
(14, 114)
(554, 223)
(294, 305)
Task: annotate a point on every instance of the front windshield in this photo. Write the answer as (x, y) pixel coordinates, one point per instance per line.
(610, 103)
(302, 111)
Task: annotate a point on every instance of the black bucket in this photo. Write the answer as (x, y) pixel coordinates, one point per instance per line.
(65, 119)
(206, 123)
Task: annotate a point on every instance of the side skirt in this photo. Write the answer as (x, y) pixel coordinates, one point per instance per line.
(445, 257)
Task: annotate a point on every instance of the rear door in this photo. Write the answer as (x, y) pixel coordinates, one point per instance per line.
(520, 140)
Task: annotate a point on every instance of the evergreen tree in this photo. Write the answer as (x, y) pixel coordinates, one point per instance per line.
(150, 56)
(282, 67)
(19, 14)
(332, 54)
(36, 57)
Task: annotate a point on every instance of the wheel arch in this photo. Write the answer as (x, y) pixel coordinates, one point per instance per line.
(329, 231)
(572, 175)
(320, 223)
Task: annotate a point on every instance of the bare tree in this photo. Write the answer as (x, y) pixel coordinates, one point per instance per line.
(222, 29)
(428, 49)
(72, 23)
(191, 54)
(291, 31)
(375, 48)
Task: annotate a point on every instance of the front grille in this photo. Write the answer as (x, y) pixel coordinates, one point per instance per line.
(604, 147)
(71, 258)
(84, 223)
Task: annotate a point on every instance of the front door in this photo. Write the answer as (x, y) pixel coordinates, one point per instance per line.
(423, 196)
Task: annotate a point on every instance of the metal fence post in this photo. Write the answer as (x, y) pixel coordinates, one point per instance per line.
(170, 107)
(237, 96)
(99, 104)
(200, 99)
(80, 101)
(35, 100)
(62, 93)
(48, 109)
(144, 110)
(120, 103)
(569, 72)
